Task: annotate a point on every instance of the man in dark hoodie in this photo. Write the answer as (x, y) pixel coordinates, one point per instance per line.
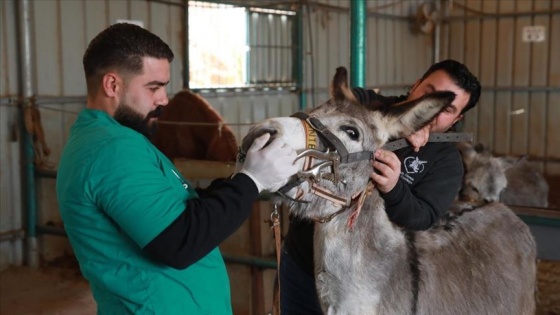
(418, 183)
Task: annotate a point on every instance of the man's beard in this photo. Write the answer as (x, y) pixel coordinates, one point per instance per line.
(128, 117)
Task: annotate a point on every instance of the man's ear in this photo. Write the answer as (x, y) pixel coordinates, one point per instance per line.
(111, 84)
(457, 119)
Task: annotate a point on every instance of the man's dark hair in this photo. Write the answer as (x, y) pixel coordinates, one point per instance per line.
(461, 75)
(121, 47)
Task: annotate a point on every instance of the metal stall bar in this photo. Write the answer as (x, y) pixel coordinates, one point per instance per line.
(310, 52)
(297, 32)
(358, 43)
(186, 71)
(26, 95)
(548, 97)
(437, 34)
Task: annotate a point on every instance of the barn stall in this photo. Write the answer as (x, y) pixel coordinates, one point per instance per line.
(290, 50)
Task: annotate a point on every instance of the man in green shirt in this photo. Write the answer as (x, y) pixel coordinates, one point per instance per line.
(145, 239)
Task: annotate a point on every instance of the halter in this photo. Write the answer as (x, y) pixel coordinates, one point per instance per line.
(334, 155)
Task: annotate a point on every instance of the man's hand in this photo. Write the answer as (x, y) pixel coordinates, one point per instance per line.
(420, 137)
(269, 167)
(389, 169)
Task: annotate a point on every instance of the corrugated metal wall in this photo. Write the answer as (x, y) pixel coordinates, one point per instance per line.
(61, 31)
(519, 106)
(515, 75)
(398, 54)
(11, 210)
(395, 56)
(392, 45)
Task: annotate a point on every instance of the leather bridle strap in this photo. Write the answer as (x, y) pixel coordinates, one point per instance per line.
(275, 226)
(333, 141)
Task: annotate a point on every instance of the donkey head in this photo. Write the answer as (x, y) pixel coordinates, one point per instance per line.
(355, 129)
(485, 175)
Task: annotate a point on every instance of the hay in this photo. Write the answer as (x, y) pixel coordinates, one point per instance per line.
(548, 292)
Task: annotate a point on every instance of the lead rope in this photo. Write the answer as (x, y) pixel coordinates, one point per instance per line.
(275, 225)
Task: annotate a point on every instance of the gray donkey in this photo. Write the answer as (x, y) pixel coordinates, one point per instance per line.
(510, 180)
(476, 261)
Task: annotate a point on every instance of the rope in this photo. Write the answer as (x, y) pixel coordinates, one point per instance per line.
(220, 125)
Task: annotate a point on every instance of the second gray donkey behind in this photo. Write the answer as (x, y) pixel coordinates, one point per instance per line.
(510, 180)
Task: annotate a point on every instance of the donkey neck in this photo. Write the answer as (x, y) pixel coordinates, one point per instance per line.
(372, 226)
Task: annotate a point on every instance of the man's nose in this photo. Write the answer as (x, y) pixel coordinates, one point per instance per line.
(163, 99)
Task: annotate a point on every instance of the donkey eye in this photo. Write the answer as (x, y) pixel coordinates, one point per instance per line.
(352, 132)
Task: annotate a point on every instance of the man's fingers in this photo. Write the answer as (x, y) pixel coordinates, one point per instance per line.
(376, 177)
(381, 167)
(259, 142)
(389, 158)
(420, 137)
(380, 180)
(282, 149)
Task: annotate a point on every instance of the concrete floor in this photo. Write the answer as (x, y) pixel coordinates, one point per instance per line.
(48, 291)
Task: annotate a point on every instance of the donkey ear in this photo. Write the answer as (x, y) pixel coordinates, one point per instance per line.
(405, 118)
(339, 87)
(508, 162)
